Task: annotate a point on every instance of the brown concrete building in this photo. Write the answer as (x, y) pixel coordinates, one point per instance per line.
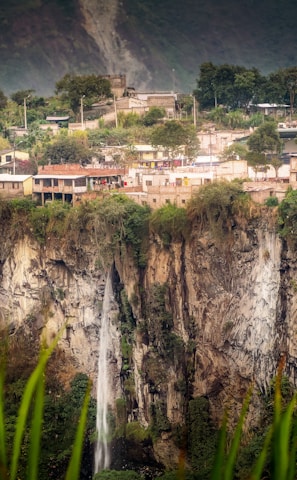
(14, 186)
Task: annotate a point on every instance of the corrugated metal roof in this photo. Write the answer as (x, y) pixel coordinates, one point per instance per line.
(61, 176)
(7, 177)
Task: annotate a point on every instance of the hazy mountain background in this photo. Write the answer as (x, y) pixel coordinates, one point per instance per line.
(158, 44)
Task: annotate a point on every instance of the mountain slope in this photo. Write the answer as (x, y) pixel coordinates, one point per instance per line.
(156, 44)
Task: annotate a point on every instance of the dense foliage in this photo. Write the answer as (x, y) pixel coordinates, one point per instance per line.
(288, 217)
(170, 223)
(218, 206)
(39, 417)
(75, 88)
(235, 86)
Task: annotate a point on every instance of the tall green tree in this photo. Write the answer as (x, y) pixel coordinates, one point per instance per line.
(66, 150)
(173, 136)
(263, 144)
(74, 87)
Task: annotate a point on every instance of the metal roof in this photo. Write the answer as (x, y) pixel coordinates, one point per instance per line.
(61, 176)
(7, 177)
(57, 119)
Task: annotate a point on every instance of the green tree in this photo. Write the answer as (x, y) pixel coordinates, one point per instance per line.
(175, 137)
(202, 437)
(19, 96)
(3, 100)
(290, 81)
(153, 116)
(235, 151)
(126, 120)
(206, 93)
(91, 87)
(265, 140)
(230, 85)
(66, 150)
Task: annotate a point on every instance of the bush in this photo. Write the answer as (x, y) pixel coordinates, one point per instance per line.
(170, 223)
(217, 205)
(271, 202)
(288, 217)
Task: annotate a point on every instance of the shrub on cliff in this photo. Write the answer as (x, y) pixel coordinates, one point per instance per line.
(216, 206)
(288, 217)
(117, 220)
(170, 223)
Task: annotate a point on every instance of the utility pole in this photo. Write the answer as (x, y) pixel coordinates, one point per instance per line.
(25, 111)
(82, 112)
(194, 111)
(115, 111)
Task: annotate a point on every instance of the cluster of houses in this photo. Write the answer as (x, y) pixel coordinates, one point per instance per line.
(153, 185)
(150, 176)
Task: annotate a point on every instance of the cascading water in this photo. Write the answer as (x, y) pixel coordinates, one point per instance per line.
(102, 455)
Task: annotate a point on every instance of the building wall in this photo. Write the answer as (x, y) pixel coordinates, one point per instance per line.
(159, 196)
(28, 186)
(11, 189)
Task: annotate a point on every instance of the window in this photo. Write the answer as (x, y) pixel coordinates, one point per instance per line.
(154, 200)
(8, 158)
(15, 185)
(81, 182)
(183, 201)
(37, 181)
(1, 185)
(167, 200)
(56, 182)
(67, 183)
(148, 183)
(47, 182)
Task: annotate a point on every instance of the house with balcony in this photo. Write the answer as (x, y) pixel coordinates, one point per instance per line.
(14, 186)
(97, 178)
(66, 188)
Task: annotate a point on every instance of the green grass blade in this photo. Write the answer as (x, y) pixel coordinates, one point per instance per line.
(35, 434)
(260, 463)
(292, 463)
(220, 453)
(25, 406)
(281, 441)
(3, 458)
(73, 469)
(231, 458)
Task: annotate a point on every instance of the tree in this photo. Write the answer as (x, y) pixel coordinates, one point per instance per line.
(235, 151)
(290, 79)
(67, 150)
(230, 85)
(265, 140)
(153, 116)
(174, 135)
(18, 97)
(91, 87)
(206, 93)
(3, 100)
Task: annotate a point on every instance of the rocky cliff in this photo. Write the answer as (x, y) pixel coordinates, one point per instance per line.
(205, 317)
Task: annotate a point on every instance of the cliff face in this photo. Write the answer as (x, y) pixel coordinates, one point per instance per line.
(210, 317)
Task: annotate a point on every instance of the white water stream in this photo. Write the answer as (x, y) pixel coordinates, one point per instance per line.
(102, 454)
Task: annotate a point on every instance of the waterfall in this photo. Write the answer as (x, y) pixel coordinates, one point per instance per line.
(102, 455)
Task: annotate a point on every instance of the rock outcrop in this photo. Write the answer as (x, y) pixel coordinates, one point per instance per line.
(211, 316)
